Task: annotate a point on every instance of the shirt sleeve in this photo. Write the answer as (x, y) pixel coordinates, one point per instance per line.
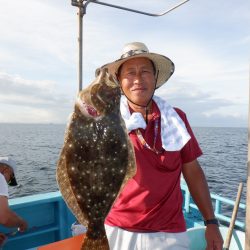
(3, 187)
(191, 151)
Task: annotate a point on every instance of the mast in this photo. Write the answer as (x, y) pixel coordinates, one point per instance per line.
(247, 239)
(82, 5)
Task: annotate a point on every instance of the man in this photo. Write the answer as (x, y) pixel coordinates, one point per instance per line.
(8, 218)
(148, 212)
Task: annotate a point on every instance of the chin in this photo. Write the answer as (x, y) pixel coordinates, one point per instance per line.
(140, 101)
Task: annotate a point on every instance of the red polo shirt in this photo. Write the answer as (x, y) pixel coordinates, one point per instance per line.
(152, 200)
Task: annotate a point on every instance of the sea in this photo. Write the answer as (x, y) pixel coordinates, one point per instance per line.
(36, 149)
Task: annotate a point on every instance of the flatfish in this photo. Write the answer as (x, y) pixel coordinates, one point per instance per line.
(97, 158)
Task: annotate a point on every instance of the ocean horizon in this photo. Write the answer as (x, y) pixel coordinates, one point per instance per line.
(54, 123)
(36, 149)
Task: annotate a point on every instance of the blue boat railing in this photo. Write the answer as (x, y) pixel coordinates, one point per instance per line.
(50, 220)
(48, 217)
(194, 217)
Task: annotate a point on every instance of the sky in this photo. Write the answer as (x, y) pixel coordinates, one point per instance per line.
(208, 41)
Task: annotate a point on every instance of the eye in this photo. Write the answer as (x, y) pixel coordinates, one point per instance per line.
(131, 73)
(147, 71)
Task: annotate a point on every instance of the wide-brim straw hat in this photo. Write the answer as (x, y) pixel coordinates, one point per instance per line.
(163, 65)
(11, 163)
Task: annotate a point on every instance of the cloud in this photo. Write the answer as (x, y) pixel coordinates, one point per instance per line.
(29, 114)
(207, 41)
(34, 89)
(203, 108)
(244, 41)
(32, 101)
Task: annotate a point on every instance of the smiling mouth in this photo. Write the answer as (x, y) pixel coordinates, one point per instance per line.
(139, 89)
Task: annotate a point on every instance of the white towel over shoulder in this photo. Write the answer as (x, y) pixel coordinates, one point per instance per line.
(174, 134)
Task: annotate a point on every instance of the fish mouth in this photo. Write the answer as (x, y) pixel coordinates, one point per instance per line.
(101, 97)
(90, 110)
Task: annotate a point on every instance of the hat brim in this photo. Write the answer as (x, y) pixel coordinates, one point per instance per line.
(163, 65)
(13, 182)
(12, 164)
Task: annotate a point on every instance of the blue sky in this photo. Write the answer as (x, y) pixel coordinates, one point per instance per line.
(209, 42)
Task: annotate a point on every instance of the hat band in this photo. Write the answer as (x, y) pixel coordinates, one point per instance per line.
(132, 53)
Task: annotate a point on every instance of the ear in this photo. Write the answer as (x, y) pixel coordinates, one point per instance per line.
(156, 77)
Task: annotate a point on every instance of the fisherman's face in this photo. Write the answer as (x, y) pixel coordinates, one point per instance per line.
(137, 79)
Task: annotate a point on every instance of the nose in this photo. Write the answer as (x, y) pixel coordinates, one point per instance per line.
(138, 79)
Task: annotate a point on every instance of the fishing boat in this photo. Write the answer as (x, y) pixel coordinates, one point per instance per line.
(50, 222)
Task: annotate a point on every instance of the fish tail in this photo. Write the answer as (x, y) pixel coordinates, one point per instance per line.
(95, 244)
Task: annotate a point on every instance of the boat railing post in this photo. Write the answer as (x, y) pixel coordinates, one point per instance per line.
(187, 201)
(217, 209)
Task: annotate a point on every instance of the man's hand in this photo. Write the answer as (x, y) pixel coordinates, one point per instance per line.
(213, 237)
(22, 226)
(3, 238)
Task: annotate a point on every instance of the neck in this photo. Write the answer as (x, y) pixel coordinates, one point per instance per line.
(143, 110)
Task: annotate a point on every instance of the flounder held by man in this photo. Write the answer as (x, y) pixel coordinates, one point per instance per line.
(97, 158)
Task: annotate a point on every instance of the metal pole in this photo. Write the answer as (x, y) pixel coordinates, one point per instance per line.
(247, 239)
(81, 11)
(138, 11)
(82, 5)
(80, 19)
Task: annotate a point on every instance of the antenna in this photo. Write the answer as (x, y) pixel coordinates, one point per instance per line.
(82, 5)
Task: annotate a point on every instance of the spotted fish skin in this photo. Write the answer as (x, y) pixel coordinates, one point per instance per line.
(97, 158)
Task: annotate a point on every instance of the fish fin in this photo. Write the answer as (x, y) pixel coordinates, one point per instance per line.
(95, 244)
(66, 190)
